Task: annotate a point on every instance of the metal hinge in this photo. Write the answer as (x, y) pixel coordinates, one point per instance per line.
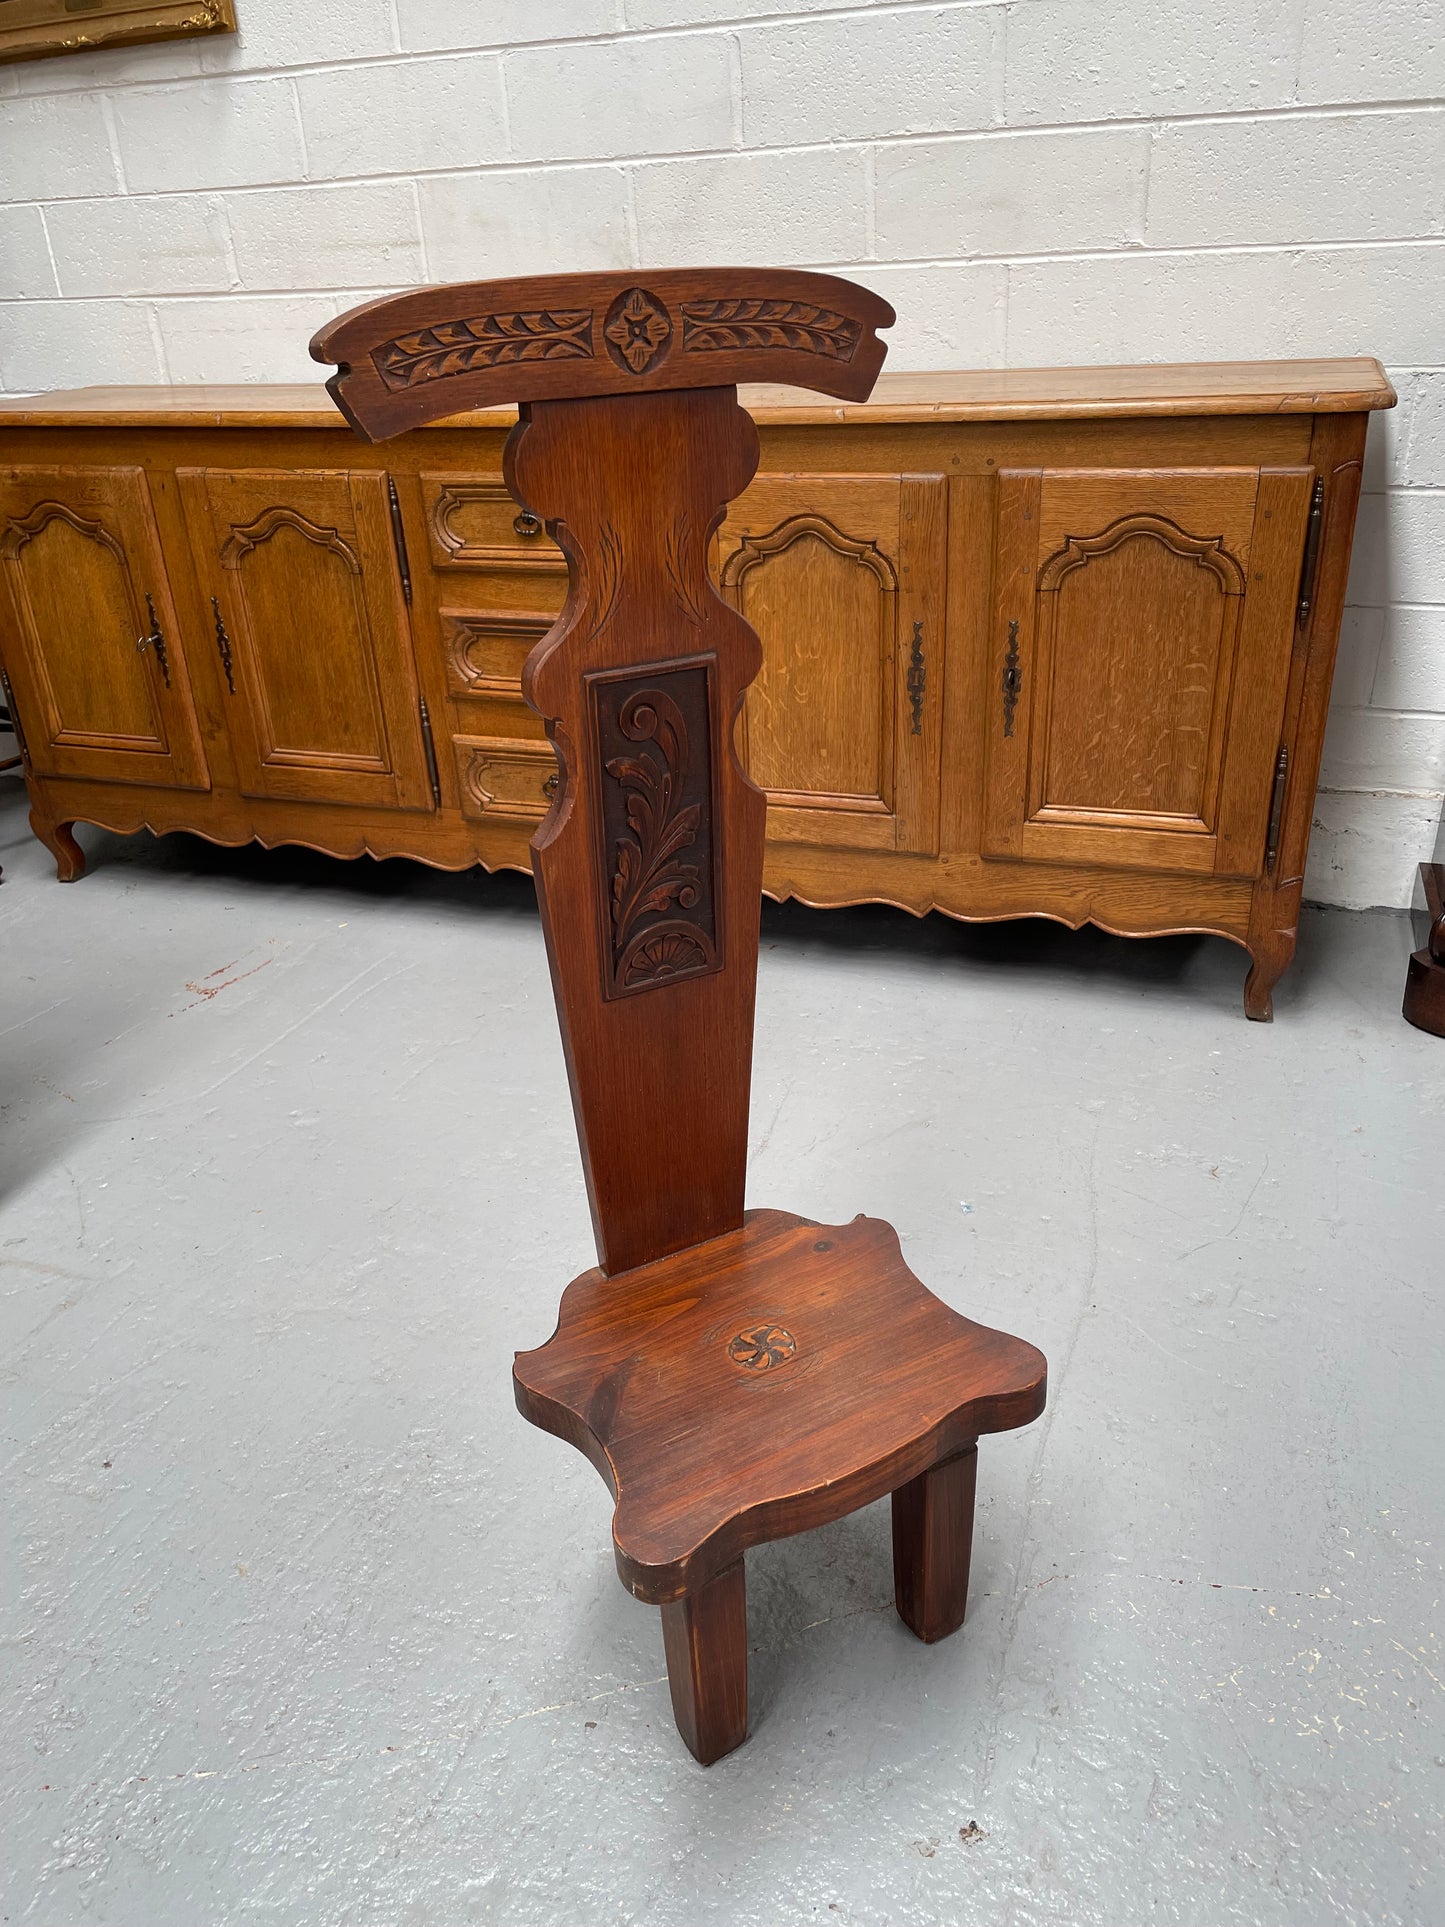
(1276, 808)
(398, 536)
(1311, 555)
(433, 775)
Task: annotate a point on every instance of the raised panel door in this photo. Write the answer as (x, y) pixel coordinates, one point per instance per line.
(842, 578)
(91, 641)
(306, 595)
(1143, 623)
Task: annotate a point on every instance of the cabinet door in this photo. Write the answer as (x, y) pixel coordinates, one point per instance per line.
(842, 577)
(305, 590)
(91, 641)
(1143, 623)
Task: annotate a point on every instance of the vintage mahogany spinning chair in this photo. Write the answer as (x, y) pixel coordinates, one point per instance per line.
(735, 1376)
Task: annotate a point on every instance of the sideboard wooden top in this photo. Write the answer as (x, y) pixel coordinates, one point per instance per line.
(1342, 386)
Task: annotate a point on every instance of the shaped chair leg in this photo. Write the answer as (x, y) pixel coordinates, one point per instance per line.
(932, 1545)
(705, 1637)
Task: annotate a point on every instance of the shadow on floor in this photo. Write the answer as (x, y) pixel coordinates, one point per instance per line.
(1210, 966)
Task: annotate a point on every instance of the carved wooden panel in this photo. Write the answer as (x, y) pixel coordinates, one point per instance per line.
(635, 330)
(842, 577)
(473, 523)
(94, 647)
(1139, 623)
(307, 602)
(416, 357)
(653, 732)
(484, 650)
(1120, 621)
(502, 777)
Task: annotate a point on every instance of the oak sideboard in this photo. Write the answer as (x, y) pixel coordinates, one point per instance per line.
(1046, 642)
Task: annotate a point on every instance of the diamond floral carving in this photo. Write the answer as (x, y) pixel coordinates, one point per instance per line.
(637, 330)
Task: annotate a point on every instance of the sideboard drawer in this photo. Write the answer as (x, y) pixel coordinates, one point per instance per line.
(473, 523)
(484, 649)
(505, 777)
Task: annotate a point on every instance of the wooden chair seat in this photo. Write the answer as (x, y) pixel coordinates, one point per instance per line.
(735, 1376)
(762, 1383)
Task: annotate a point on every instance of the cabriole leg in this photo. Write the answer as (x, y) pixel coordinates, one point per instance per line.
(932, 1545)
(1271, 951)
(705, 1637)
(69, 857)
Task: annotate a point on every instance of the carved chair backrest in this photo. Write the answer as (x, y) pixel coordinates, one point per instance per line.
(630, 443)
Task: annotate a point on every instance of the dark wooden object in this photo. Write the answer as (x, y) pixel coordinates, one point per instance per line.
(1424, 1005)
(734, 1376)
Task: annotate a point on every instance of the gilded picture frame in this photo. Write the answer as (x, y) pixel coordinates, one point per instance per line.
(32, 29)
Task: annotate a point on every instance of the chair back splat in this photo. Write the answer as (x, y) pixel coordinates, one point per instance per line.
(630, 444)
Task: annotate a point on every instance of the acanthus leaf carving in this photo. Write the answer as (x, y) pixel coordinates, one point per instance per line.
(754, 323)
(649, 874)
(656, 825)
(484, 341)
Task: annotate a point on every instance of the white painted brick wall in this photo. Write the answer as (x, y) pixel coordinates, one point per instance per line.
(1028, 181)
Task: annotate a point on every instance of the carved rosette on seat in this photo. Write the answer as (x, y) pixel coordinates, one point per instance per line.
(721, 1368)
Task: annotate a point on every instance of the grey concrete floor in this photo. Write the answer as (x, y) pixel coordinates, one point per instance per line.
(302, 1624)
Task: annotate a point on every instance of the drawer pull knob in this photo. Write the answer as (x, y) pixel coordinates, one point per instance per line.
(526, 523)
(1013, 679)
(549, 788)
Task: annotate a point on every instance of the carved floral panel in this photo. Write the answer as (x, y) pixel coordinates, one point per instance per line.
(653, 734)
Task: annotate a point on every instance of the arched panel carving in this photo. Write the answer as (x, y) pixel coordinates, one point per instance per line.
(818, 720)
(1207, 550)
(242, 540)
(23, 528)
(757, 548)
(1138, 656)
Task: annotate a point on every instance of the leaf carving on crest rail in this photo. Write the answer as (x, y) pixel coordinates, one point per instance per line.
(484, 341)
(710, 326)
(656, 824)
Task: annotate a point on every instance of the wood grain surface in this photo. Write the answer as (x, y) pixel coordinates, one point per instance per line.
(763, 1383)
(1343, 385)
